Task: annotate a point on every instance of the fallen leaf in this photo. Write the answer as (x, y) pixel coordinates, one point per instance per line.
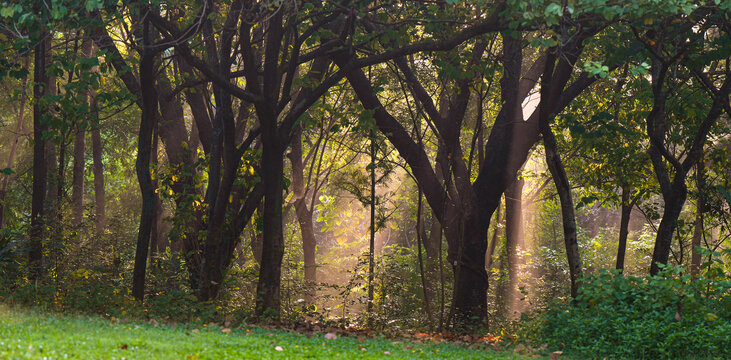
(331, 336)
(677, 316)
(226, 330)
(278, 348)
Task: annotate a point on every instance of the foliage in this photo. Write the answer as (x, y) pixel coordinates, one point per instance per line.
(668, 316)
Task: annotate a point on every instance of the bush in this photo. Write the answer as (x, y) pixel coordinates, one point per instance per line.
(668, 316)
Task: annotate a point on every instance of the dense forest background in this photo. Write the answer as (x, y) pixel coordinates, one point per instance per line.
(419, 164)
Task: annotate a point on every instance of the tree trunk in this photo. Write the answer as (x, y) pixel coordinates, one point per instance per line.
(673, 207)
(77, 183)
(624, 227)
(309, 245)
(157, 207)
(37, 218)
(304, 215)
(372, 242)
(270, 271)
(13, 149)
(100, 220)
(469, 299)
(419, 239)
(695, 260)
(144, 147)
(567, 207)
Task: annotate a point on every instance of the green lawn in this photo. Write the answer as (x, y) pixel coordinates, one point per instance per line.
(29, 334)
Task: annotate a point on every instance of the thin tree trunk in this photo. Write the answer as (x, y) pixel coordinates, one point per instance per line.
(304, 215)
(371, 245)
(567, 207)
(695, 260)
(624, 227)
(100, 219)
(147, 124)
(77, 183)
(13, 149)
(40, 87)
(157, 207)
(419, 225)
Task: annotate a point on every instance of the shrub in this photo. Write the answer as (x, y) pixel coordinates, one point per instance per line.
(667, 316)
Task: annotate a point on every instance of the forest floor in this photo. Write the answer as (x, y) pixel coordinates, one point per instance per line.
(29, 334)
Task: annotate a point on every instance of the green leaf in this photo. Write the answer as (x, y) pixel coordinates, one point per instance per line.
(7, 11)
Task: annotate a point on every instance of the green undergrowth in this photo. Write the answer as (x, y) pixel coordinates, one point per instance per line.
(668, 316)
(28, 334)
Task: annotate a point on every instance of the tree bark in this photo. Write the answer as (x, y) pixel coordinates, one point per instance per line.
(567, 208)
(77, 182)
(100, 220)
(372, 229)
(304, 215)
(270, 271)
(144, 147)
(695, 260)
(40, 176)
(13, 149)
(624, 227)
(554, 65)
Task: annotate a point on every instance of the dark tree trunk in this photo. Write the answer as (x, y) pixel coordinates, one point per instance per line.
(695, 260)
(40, 87)
(77, 183)
(304, 218)
(219, 192)
(155, 237)
(13, 150)
(567, 208)
(673, 207)
(422, 274)
(469, 299)
(304, 215)
(147, 124)
(100, 220)
(270, 271)
(674, 192)
(624, 227)
(372, 242)
(555, 166)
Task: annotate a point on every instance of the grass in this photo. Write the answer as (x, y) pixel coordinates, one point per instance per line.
(27, 334)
